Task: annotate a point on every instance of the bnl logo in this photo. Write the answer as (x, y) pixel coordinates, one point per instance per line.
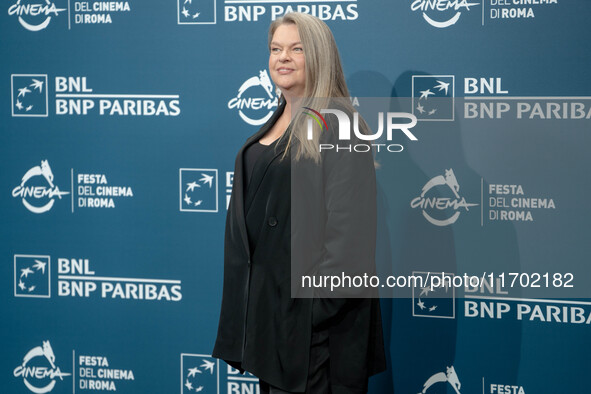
(435, 298)
(198, 190)
(200, 373)
(32, 276)
(29, 95)
(196, 12)
(433, 97)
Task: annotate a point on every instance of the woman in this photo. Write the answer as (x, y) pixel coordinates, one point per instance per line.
(295, 345)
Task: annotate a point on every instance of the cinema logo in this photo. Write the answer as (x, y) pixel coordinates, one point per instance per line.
(34, 15)
(344, 130)
(440, 381)
(442, 13)
(37, 191)
(449, 376)
(39, 371)
(255, 100)
(441, 209)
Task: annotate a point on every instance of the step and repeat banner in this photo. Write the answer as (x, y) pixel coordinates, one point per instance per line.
(120, 125)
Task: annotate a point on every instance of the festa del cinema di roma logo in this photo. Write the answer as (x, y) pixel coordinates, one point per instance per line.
(429, 205)
(38, 369)
(255, 100)
(441, 13)
(34, 15)
(449, 376)
(37, 190)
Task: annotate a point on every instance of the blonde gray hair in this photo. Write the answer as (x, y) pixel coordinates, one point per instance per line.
(324, 78)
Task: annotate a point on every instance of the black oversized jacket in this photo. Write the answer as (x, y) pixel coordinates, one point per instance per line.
(264, 330)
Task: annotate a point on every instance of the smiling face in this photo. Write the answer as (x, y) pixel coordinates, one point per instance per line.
(287, 63)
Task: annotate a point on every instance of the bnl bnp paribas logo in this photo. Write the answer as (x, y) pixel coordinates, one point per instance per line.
(442, 13)
(32, 276)
(196, 12)
(255, 100)
(39, 369)
(74, 96)
(433, 97)
(29, 95)
(199, 374)
(198, 190)
(435, 301)
(440, 201)
(35, 15)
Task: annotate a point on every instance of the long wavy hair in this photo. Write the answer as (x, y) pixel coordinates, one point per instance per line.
(325, 79)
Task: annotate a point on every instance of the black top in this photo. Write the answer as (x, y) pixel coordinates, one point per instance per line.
(251, 155)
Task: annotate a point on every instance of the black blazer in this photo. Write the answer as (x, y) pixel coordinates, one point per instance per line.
(264, 330)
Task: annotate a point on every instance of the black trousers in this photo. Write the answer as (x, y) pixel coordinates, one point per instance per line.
(318, 371)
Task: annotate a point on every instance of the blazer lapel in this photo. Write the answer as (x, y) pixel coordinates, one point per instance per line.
(239, 175)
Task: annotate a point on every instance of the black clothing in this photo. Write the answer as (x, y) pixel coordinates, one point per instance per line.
(251, 155)
(264, 330)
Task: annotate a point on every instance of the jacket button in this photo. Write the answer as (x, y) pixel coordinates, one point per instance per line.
(272, 221)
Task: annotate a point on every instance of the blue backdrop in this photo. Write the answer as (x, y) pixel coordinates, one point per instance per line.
(118, 143)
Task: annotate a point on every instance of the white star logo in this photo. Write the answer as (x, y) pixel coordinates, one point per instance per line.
(207, 179)
(23, 91)
(193, 371)
(426, 93)
(25, 272)
(191, 186)
(37, 85)
(442, 86)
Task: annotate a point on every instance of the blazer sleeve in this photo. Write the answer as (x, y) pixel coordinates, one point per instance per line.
(349, 186)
